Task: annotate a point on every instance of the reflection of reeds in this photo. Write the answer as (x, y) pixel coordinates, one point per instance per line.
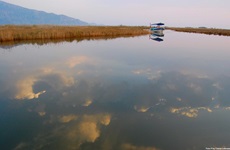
(10, 44)
(213, 31)
(40, 32)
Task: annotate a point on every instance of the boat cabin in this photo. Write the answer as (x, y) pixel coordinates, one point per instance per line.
(156, 26)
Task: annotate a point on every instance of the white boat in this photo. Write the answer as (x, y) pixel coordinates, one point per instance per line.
(156, 27)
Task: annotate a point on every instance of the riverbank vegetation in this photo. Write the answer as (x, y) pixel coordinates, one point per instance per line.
(48, 32)
(14, 33)
(203, 30)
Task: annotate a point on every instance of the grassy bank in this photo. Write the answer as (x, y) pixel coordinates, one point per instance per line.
(42, 32)
(210, 31)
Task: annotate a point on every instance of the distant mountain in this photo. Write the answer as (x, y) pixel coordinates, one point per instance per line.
(13, 14)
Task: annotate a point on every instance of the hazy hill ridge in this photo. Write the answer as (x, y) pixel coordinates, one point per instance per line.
(17, 15)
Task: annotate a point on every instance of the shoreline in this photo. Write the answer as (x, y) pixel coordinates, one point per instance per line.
(20, 33)
(209, 31)
(51, 32)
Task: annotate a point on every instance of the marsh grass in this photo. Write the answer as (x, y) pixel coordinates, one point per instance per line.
(48, 32)
(210, 31)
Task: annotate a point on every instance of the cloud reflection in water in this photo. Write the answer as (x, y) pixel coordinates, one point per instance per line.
(167, 93)
(98, 99)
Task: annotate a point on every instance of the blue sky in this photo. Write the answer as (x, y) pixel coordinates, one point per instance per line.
(182, 13)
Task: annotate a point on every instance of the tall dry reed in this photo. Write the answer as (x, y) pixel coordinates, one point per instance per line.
(210, 31)
(38, 32)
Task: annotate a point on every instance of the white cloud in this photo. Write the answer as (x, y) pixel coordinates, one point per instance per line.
(88, 128)
(179, 99)
(191, 113)
(141, 108)
(75, 130)
(25, 86)
(53, 77)
(227, 108)
(188, 111)
(24, 89)
(67, 118)
(42, 113)
(87, 102)
(88, 131)
(76, 60)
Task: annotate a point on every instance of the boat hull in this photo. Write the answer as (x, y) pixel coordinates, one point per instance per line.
(156, 29)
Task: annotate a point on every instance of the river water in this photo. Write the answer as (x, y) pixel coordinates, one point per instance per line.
(109, 94)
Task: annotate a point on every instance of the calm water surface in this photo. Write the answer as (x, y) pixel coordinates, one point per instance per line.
(118, 94)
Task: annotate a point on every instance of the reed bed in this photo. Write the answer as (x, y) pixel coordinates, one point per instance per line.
(43, 32)
(210, 31)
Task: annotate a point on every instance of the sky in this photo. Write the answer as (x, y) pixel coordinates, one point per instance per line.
(174, 13)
